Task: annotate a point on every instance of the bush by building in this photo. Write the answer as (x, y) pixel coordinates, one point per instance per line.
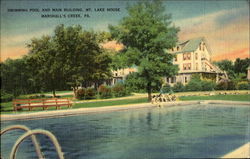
(105, 91)
(178, 87)
(119, 90)
(244, 85)
(90, 93)
(80, 93)
(166, 89)
(207, 85)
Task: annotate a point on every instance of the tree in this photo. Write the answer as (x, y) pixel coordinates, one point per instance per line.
(227, 66)
(70, 57)
(240, 65)
(146, 34)
(45, 62)
(15, 77)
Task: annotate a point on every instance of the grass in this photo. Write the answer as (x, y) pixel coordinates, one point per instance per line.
(7, 108)
(242, 97)
(110, 103)
(69, 91)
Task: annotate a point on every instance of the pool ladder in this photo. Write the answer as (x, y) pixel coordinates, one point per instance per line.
(32, 133)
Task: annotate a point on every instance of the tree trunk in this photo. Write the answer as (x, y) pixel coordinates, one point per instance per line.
(74, 90)
(54, 93)
(149, 90)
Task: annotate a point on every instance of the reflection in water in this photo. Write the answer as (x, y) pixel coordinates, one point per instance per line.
(188, 131)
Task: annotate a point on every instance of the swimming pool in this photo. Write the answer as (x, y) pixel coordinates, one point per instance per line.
(168, 132)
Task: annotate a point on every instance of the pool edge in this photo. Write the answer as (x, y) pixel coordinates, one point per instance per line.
(70, 112)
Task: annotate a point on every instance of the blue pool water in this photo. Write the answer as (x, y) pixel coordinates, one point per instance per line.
(155, 133)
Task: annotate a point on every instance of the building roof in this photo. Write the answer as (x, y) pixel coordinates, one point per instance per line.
(191, 45)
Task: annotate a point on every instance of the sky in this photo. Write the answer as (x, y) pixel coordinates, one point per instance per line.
(224, 23)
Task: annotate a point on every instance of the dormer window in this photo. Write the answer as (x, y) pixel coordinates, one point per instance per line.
(200, 47)
(203, 48)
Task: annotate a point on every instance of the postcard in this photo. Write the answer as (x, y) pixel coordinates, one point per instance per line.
(115, 79)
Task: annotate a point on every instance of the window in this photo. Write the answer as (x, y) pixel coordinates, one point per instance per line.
(175, 59)
(187, 66)
(196, 66)
(178, 48)
(200, 47)
(196, 56)
(172, 49)
(187, 56)
(172, 79)
(185, 79)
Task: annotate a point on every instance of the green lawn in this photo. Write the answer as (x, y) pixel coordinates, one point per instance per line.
(242, 97)
(110, 103)
(8, 108)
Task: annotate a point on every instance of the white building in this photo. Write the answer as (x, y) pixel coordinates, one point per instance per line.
(194, 57)
(121, 74)
(248, 73)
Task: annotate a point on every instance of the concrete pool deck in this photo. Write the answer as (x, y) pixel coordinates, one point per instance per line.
(241, 152)
(70, 112)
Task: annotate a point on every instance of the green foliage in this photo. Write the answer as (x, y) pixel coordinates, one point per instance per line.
(166, 89)
(146, 33)
(238, 97)
(119, 90)
(90, 93)
(240, 65)
(69, 58)
(227, 66)
(85, 93)
(243, 85)
(80, 93)
(37, 96)
(16, 78)
(222, 85)
(195, 83)
(235, 69)
(178, 87)
(134, 83)
(105, 91)
(208, 85)
(226, 85)
(6, 97)
(231, 85)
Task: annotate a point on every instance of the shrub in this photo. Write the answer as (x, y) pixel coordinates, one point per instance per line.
(207, 85)
(222, 85)
(104, 91)
(119, 90)
(80, 93)
(178, 87)
(90, 93)
(166, 89)
(36, 96)
(133, 83)
(231, 85)
(6, 97)
(243, 85)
